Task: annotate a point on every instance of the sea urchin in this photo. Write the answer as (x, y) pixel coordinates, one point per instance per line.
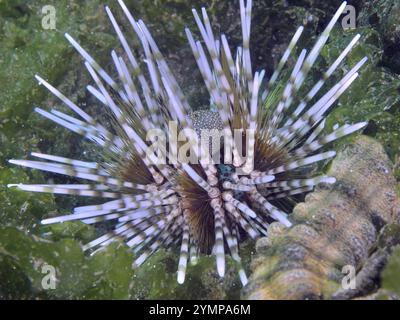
(205, 207)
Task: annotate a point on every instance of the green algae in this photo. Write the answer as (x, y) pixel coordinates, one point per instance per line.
(156, 278)
(375, 95)
(383, 16)
(27, 49)
(391, 276)
(104, 275)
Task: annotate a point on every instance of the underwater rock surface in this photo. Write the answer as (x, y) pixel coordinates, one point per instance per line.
(336, 226)
(26, 49)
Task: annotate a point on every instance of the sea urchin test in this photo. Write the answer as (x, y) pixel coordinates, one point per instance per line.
(203, 208)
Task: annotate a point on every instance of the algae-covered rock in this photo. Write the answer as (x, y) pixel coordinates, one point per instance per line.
(391, 276)
(369, 278)
(337, 226)
(374, 96)
(21, 209)
(383, 16)
(156, 278)
(104, 275)
(26, 49)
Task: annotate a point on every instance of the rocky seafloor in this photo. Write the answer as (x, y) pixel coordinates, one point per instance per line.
(26, 49)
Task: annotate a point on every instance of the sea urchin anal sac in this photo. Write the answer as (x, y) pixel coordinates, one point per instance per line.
(206, 208)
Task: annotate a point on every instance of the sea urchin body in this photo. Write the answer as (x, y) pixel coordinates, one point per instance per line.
(204, 207)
